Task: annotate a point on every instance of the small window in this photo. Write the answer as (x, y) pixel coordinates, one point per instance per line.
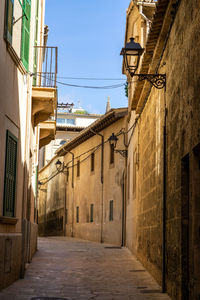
(77, 214)
(92, 213)
(78, 168)
(112, 152)
(92, 162)
(67, 174)
(63, 142)
(111, 211)
(66, 216)
(10, 175)
(8, 28)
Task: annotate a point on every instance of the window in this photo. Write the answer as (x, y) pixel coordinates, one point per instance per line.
(8, 27)
(112, 152)
(65, 121)
(67, 174)
(66, 216)
(92, 213)
(111, 211)
(92, 162)
(10, 175)
(77, 214)
(26, 33)
(78, 168)
(63, 142)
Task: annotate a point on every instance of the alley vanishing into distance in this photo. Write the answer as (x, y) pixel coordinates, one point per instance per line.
(67, 268)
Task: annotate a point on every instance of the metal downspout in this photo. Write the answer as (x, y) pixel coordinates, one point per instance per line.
(164, 201)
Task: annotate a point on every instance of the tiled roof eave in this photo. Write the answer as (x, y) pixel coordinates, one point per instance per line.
(105, 121)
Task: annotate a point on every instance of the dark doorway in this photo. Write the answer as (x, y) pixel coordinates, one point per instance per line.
(185, 196)
(195, 243)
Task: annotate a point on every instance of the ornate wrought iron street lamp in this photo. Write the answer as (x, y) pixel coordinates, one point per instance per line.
(132, 54)
(59, 166)
(113, 143)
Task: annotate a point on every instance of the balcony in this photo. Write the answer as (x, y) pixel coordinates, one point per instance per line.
(47, 131)
(44, 90)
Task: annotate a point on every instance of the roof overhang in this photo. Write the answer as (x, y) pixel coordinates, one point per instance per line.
(106, 120)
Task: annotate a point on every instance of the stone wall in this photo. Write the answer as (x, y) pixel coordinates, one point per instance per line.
(183, 128)
(180, 62)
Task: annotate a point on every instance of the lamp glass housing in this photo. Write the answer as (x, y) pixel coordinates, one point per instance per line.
(113, 140)
(58, 165)
(132, 53)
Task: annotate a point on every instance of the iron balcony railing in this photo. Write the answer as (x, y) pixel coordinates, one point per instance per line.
(45, 66)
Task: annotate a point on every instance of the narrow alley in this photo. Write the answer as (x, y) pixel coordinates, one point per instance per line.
(67, 268)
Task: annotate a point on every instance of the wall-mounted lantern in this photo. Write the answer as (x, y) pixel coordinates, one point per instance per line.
(59, 166)
(132, 54)
(113, 143)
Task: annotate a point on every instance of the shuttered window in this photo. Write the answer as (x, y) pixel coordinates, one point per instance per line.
(36, 42)
(77, 214)
(112, 154)
(92, 162)
(8, 28)
(111, 211)
(26, 33)
(10, 175)
(91, 212)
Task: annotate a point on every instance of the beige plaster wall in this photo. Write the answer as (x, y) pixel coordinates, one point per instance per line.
(15, 115)
(87, 190)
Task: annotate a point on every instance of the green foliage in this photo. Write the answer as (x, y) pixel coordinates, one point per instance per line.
(81, 112)
(126, 89)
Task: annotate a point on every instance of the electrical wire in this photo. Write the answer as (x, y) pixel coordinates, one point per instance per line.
(91, 78)
(114, 86)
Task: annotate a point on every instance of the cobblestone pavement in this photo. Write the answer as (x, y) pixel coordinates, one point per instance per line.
(80, 270)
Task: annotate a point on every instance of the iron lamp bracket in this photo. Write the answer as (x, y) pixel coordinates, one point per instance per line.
(157, 80)
(124, 153)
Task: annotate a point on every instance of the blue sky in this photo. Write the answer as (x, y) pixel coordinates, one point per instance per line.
(89, 35)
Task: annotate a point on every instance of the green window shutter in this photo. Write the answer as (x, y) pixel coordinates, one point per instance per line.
(8, 28)
(36, 42)
(10, 175)
(26, 33)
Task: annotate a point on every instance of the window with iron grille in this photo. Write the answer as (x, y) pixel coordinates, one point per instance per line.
(8, 25)
(77, 214)
(91, 213)
(111, 211)
(26, 33)
(78, 168)
(112, 152)
(92, 162)
(10, 175)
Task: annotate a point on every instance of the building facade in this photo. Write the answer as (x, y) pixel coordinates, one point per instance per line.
(90, 187)
(22, 42)
(69, 124)
(163, 154)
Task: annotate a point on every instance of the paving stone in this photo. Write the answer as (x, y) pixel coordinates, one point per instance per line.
(81, 270)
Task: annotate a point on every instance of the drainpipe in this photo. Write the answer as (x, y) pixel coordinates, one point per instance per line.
(145, 18)
(102, 173)
(164, 202)
(72, 233)
(65, 200)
